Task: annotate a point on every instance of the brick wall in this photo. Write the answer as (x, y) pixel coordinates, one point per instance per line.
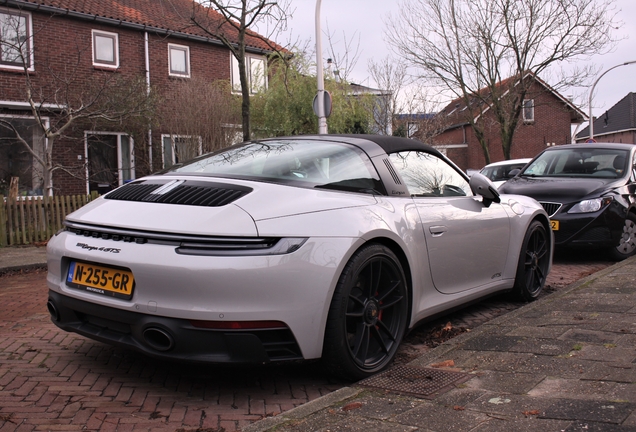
(63, 46)
(551, 125)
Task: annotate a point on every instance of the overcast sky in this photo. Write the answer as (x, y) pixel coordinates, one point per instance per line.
(366, 19)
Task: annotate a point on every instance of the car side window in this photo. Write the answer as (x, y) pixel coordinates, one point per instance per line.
(427, 175)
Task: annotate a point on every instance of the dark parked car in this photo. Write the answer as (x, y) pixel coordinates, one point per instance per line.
(588, 190)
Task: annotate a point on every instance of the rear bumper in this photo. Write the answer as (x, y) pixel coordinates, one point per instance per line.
(171, 338)
(171, 289)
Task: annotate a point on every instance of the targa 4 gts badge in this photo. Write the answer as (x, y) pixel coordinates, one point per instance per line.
(95, 248)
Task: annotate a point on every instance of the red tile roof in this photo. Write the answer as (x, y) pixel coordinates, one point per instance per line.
(169, 16)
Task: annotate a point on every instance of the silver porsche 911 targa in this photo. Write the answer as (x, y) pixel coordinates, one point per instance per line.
(292, 248)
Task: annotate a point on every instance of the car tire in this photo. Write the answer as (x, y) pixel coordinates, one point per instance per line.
(368, 314)
(534, 261)
(627, 244)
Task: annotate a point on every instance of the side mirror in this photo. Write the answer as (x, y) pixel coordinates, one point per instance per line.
(513, 172)
(481, 185)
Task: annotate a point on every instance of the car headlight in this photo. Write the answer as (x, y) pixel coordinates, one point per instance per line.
(591, 205)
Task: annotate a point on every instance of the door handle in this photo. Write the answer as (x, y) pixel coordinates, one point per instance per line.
(437, 230)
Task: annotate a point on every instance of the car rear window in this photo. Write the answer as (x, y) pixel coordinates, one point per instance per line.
(303, 162)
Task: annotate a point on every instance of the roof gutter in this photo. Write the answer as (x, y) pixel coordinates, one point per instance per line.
(120, 23)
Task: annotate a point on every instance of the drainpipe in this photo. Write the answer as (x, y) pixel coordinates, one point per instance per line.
(147, 55)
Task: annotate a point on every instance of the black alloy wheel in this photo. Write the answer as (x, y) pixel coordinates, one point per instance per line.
(534, 259)
(368, 314)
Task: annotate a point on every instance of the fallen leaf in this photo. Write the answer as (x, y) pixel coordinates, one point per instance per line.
(458, 408)
(352, 406)
(529, 413)
(445, 363)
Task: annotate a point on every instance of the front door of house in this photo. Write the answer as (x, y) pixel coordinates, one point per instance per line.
(109, 161)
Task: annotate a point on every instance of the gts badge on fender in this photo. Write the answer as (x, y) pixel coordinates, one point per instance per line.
(101, 249)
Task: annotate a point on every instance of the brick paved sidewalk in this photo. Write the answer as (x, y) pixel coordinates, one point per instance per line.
(564, 363)
(52, 380)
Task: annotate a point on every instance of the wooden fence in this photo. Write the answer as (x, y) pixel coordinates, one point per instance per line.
(29, 220)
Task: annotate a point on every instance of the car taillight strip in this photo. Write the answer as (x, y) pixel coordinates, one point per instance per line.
(192, 243)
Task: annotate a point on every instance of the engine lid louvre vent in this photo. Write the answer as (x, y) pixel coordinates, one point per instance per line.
(196, 193)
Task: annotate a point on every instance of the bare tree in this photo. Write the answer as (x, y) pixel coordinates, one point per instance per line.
(488, 52)
(402, 95)
(343, 54)
(64, 97)
(204, 114)
(239, 18)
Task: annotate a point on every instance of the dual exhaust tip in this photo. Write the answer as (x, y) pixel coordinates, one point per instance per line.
(155, 337)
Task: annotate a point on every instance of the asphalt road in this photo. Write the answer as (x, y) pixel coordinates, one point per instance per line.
(53, 380)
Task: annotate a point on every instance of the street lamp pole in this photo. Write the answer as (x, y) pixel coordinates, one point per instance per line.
(320, 101)
(592, 93)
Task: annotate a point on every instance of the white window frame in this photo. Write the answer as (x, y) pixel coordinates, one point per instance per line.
(173, 145)
(183, 48)
(120, 169)
(108, 35)
(527, 104)
(28, 37)
(251, 63)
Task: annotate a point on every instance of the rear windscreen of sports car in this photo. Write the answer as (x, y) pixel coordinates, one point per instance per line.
(302, 162)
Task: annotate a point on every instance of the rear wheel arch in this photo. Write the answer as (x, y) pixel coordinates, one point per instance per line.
(365, 325)
(406, 267)
(404, 262)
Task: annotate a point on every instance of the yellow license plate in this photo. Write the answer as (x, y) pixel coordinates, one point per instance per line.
(110, 281)
(554, 224)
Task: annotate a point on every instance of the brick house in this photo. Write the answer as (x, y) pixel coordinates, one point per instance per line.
(616, 125)
(72, 44)
(546, 120)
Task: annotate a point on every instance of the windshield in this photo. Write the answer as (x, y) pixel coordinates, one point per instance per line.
(302, 162)
(573, 162)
